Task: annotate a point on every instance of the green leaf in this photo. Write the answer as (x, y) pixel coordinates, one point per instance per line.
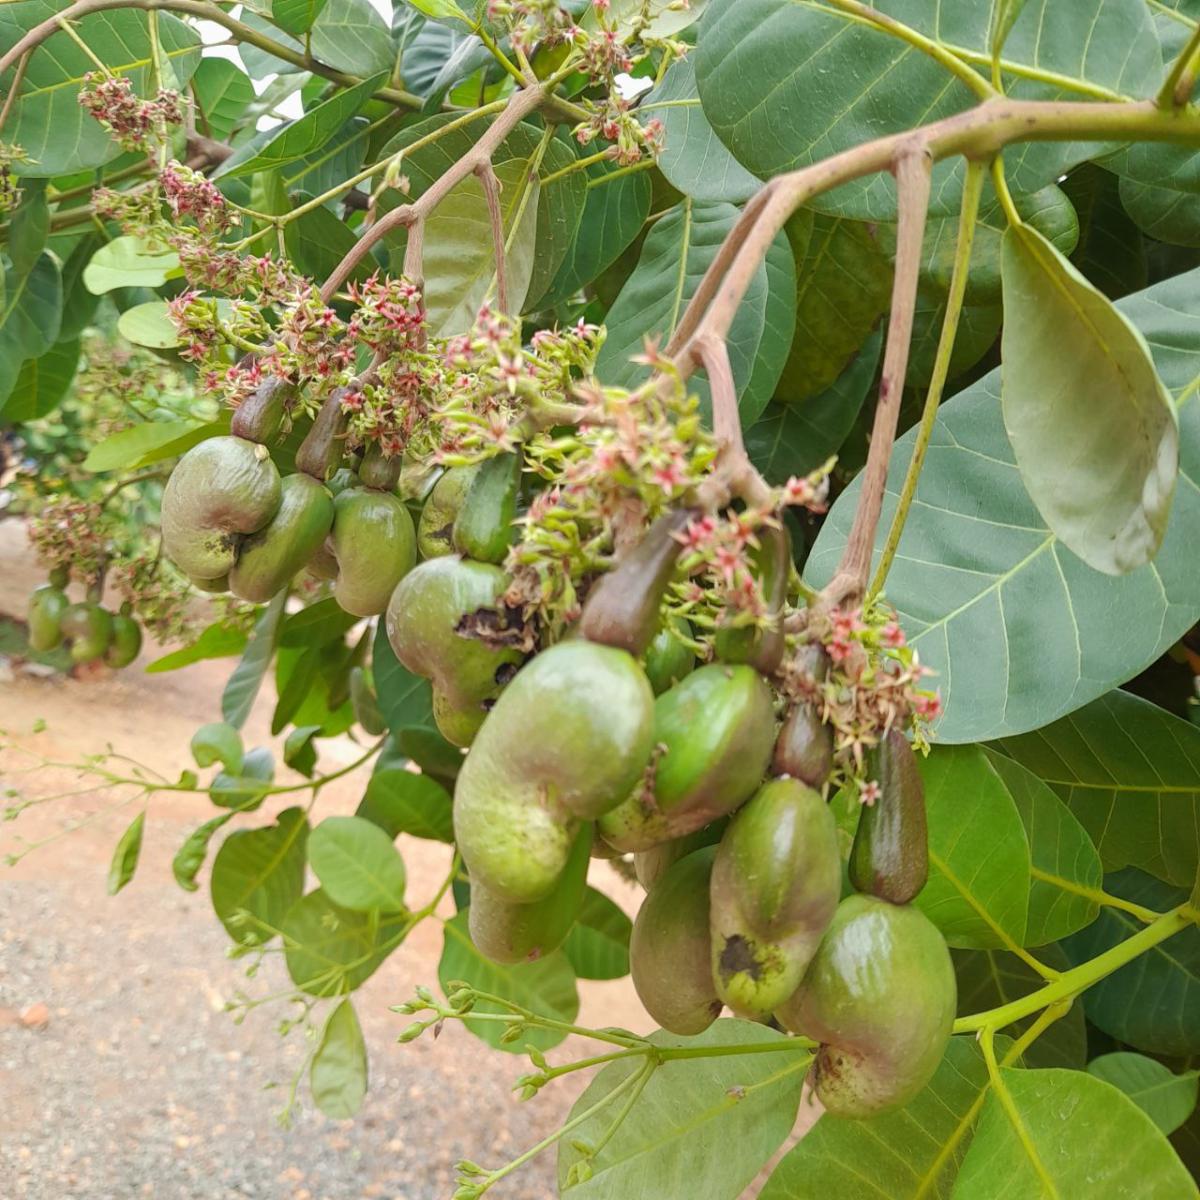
(598, 944)
(1163, 213)
(298, 750)
(546, 987)
(319, 623)
(431, 752)
(218, 742)
(41, 384)
(794, 439)
(400, 801)
(261, 63)
(910, 1154)
(245, 790)
(1078, 373)
(1130, 773)
(318, 241)
(296, 674)
(440, 9)
(338, 1076)
(296, 16)
(240, 692)
(1068, 1135)
(332, 950)
(28, 227)
(222, 92)
(352, 36)
(47, 121)
(1004, 16)
(30, 312)
(405, 699)
(844, 284)
(189, 858)
(357, 865)
(127, 262)
(1152, 1003)
(978, 888)
(1064, 864)
(1167, 1099)
(989, 978)
(217, 641)
(258, 876)
(125, 856)
(978, 327)
(306, 135)
(1111, 251)
(701, 1126)
(1017, 628)
(560, 205)
(78, 304)
(694, 160)
(128, 447)
(149, 325)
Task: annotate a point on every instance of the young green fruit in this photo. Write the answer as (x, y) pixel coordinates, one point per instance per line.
(47, 605)
(483, 529)
(804, 747)
(880, 997)
(259, 417)
(220, 491)
(126, 641)
(269, 558)
(890, 855)
(565, 741)
(776, 882)
(341, 479)
(669, 956)
(651, 865)
(513, 933)
(375, 546)
(422, 620)
(715, 730)
(60, 576)
(623, 608)
(320, 454)
(213, 586)
(668, 658)
(435, 529)
(378, 470)
(762, 647)
(88, 630)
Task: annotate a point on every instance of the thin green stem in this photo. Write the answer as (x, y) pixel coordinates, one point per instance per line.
(1180, 82)
(642, 165)
(1000, 183)
(490, 44)
(972, 194)
(1097, 896)
(668, 1053)
(578, 165)
(69, 30)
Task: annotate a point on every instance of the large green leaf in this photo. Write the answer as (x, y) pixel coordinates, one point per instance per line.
(1065, 867)
(1068, 1135)
(1019, 630)
(1091, 424)
(400, 801)
(559, 214)
(1163, 213)
(48, 122)
(296, 16)
(1152, 1003)
(1166, 1098)
(546, 987)
(258, 875)
(41, 384)
(1111, 252)
(357, 864)
(217, 640)
(910, 1154)
(701, 1126)
(127, 262)
(598, 945)
(405, 699)
(242, 689)
(1130, 773)
(128, 447)
(978, 888)
(338, 1075)
(352, 36)
(978, 328)
(30, 311)
(222, 92)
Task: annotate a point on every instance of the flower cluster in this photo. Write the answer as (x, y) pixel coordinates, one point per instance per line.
(134, 123)
(74, 533)
(612, 120)
(190, 194)
(10, 189)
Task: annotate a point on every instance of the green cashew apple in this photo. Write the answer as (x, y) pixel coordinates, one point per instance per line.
(804, 748)
(60, 576)
(762, 647)
(259, 417)
(513, 933)
(483, 528)
(651, 865)
(269, 558)
(890, 855)
(435, 529)
(46, 608)
(623, 608)
(87, 629)
(126, 642)
(422, 622)
(880, 997)
(714, 731)
(378, 470)
(220, 491)
(669, 956)
(776, 883)
(668, 657)
(568, 737)
(375, 546)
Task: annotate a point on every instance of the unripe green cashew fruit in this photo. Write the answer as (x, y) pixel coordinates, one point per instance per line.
(422, 620)
(60, 576)
(890, 855)
(716, 729)
(323, 564)
(483, 528)
(341, 479)
(88, 630)
(776, 883)
(668, 659)
(126, 642)
(651, 865)
(47, 605)
(513, 933)
(435, 529)
(565, 741)
(804, 747)
(880, 997)
(622, 608)
(669, 957)
(379, 470)
(259, 417)
(762, 648)
(375, 546)
(269, 558)
(320, 454)
(220, 490)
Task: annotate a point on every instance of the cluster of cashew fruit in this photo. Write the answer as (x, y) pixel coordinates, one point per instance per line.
(90, 631)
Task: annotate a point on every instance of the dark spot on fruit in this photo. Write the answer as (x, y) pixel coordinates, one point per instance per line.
(504, 673)
(738, 958)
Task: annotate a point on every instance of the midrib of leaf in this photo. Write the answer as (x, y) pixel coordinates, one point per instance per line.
(76, 80)
(1014, 1118)
(258, 881)
(681, 282)
(941, 864)
(380, 885)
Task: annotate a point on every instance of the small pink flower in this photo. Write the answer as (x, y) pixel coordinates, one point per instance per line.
(892, 635)
(869, 793)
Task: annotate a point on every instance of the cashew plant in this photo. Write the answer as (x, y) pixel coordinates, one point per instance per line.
(754, 443)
